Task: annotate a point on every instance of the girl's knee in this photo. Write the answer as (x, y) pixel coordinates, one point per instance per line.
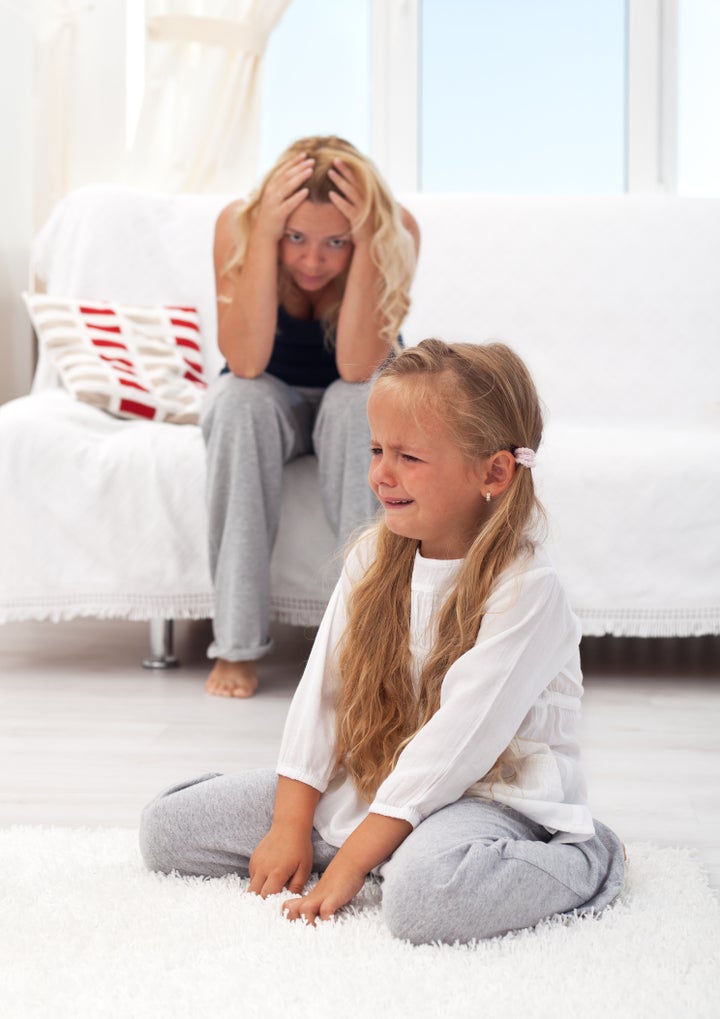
(412, 898)
(424, 912)
(166, 842)
(454, 896)
(158, 838)
(165, 827)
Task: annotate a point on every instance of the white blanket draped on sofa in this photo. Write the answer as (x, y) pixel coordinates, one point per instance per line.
(612, 301)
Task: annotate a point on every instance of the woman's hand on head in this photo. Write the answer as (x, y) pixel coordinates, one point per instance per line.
(282, 194)
(348, 199)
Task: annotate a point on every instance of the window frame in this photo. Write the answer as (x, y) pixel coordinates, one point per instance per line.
(651, 69)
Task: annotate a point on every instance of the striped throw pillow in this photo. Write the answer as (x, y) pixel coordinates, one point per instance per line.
(131, 361)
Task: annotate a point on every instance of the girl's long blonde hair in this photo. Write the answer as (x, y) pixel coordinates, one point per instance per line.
(485, 398)
(392, 248)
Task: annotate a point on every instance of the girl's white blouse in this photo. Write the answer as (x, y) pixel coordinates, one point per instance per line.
(521, 683)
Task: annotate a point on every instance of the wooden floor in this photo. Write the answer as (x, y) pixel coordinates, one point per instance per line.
(87, 736)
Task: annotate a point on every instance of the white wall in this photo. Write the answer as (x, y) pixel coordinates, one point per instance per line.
(16, 189)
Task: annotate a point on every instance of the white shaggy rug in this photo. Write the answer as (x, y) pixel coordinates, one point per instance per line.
(86, 931)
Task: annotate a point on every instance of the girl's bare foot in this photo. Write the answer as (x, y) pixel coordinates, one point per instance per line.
(232, 679)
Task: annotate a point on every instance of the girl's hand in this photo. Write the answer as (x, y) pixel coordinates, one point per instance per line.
(283, 193)
(374, 840)
(348, 200)
(335, 889)
(283, 859)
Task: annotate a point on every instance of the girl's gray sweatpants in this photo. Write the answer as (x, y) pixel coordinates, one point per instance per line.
(473, 870)
(252, 428)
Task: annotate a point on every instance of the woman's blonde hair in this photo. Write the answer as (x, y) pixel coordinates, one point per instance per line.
(484, 397)
(392, 248)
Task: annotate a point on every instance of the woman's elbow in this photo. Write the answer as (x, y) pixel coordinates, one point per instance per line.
(246, 372)
(243, 362)
(362, 369)
(355, 373)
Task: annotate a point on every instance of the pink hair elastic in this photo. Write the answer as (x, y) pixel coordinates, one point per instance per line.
(524, 456)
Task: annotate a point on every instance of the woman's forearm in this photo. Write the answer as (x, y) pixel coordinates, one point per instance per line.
(248, 297)
(359, 346)
(247, 310)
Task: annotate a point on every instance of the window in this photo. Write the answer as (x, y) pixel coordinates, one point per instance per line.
(505, 95)
(522, 96)
(316, 76)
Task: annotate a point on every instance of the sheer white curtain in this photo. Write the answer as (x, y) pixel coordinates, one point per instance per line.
(199, 124)
(55, 44)
(78, 109)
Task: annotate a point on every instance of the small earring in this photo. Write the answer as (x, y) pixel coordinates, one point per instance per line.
(487, 497)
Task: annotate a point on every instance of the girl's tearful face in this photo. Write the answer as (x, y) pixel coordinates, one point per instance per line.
(426, 485)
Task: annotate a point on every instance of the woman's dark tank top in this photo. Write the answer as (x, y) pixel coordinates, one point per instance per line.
(301, 356)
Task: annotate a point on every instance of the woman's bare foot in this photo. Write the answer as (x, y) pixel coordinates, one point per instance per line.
(232, 679)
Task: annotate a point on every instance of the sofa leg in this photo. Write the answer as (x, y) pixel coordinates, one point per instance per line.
(161, 646)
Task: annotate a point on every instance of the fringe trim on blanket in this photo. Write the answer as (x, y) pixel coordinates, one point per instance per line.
(649, 622)
(297, 611)
(123, 606)
(285, 609)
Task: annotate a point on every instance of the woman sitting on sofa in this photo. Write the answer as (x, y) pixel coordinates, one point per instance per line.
(313, 276)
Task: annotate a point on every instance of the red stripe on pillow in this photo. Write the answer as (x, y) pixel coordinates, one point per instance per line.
(139, 409)
(104, 329)
(107, 343)
(185, 322)
(132, 384)
(115, 361)
(182, 342)
(86, 309)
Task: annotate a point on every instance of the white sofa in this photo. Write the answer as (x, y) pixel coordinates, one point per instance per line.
(614, 302)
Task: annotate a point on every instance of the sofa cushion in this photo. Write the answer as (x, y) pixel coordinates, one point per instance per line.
(129, 360)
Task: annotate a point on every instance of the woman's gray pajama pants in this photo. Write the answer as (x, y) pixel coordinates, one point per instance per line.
(252, 428)
(473, 870)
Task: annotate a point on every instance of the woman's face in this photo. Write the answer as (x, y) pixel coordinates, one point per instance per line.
(316, 246)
